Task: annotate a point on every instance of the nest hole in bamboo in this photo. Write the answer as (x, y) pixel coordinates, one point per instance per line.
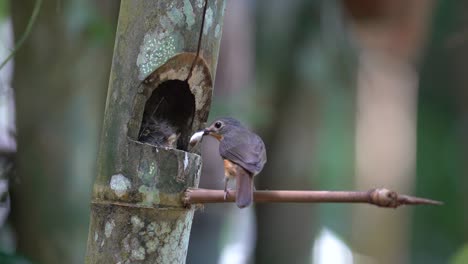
(168, 116)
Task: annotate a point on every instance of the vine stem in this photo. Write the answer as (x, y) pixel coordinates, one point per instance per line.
(27, 32)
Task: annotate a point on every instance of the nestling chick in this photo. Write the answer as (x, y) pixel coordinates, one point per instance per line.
(159, 133)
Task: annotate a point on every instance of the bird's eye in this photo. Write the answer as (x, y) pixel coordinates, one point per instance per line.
(218, 124)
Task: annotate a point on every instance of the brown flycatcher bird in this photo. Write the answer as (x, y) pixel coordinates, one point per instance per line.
(243, 153)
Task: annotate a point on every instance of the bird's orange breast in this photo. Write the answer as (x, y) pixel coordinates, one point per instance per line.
(230, 169)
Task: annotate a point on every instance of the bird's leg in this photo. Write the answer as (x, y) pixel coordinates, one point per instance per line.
(226, 192)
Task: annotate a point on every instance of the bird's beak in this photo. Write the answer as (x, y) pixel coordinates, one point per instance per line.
(212, 132)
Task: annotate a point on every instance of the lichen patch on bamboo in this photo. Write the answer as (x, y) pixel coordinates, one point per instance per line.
(148, 172)
(165, 41)
(108, 228)
(189, 15)
(156, 49)
(151, 240)
(137, 224)
(167, 240)
(120, 184)
(139, 253)
(200, 3)
(150, 195)
(133, 247)
(162, 43)
(208, 20)
(176, 16)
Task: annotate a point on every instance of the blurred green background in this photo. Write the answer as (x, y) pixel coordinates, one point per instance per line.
(349, 94)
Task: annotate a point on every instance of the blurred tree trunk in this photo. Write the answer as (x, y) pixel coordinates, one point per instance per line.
(391, 36)
(285, 231)
(309, 80)
(59, 99)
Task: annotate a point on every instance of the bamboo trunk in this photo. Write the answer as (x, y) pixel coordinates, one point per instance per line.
(137, 214)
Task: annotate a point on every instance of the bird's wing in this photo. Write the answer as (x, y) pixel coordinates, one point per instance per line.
(247, 150)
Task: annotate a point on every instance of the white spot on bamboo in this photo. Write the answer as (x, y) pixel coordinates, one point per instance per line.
(139, 253)
(120, 184)
(136, 223)
(186, 161)
(152, 245)
(108, 228)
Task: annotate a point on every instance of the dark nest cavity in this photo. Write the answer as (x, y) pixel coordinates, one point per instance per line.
(168, 116)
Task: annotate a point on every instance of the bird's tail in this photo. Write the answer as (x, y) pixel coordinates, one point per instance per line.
(244, 188)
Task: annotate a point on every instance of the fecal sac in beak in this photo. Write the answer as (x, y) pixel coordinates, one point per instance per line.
(196, 137)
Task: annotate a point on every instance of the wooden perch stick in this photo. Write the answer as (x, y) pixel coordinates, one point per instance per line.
(381, 197)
